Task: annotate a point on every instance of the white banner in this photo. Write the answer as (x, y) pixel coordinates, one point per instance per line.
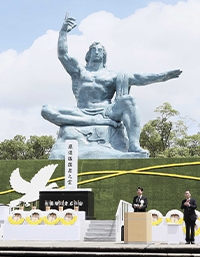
(71, 164)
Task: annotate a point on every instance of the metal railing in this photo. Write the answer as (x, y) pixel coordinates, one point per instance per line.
(123, 207)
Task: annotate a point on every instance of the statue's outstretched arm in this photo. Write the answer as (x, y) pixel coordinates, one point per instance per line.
(141, 80)
(70, 64)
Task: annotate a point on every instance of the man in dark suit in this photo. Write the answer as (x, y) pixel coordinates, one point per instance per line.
(139, 202)
(189, 205)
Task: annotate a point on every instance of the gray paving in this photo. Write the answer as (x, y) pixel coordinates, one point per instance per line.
(63, 248)
(93, 244)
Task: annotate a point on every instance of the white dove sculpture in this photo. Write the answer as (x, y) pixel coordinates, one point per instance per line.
(31, 189)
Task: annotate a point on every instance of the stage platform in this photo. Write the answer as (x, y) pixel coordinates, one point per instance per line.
(63, 248)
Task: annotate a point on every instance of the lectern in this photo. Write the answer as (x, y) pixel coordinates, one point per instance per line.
(137, 227)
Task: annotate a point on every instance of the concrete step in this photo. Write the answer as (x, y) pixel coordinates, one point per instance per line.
(99, 238)
(101, 231)
(102, 228)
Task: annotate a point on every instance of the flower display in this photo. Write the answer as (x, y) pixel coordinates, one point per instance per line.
(69, 217)
(52, 217)
(157, 217)
(34, 217)
(16, 217)
(175, 217)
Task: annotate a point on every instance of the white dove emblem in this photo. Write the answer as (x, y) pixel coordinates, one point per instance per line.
(31, 189)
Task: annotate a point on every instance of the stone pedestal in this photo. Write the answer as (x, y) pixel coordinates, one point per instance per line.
(95, 142)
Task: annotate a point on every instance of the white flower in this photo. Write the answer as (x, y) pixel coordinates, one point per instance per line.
(141, 202)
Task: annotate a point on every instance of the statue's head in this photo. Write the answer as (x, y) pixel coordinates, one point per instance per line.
(88, 54)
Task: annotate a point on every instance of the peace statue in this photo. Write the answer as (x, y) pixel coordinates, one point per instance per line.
(104, 127)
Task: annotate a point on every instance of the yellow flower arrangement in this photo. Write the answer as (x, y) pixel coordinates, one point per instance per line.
(180, 221)
(157, 217)
(34, 217)
(71, 222)
(16, 217)
(36, 222)
(69, 217)
(15, 222)
(49, 222)
(175, 217)
(52, 217)
(157, 222)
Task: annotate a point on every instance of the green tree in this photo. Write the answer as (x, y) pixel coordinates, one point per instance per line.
(19, 148)
(40, 147)
(163, 137)
(150, 139)
(163, 124)
(13, 149)
(193, 144)
(176, 152)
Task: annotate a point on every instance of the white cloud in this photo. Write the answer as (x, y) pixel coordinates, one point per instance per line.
(153, 39)
(24, 122)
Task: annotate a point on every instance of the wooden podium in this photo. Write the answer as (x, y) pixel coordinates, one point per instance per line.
(137, 227)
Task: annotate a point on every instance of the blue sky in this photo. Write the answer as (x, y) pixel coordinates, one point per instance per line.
(22, 21)
(140, 36)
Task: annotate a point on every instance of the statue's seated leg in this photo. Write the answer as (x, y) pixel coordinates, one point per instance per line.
(125, 109)
(75, 117)
(98, 136)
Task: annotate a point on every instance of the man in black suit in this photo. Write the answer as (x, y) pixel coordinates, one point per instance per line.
(189, 205)
(139, 202)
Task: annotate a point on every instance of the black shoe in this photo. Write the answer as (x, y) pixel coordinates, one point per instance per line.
(187, 242)
(192, 242)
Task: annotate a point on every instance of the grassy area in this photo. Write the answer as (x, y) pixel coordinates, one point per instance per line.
(164, 193)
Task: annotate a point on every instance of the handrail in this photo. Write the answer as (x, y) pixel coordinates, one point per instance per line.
(123, 207)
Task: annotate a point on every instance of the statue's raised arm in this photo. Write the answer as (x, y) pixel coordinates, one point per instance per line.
(70, 64)
(142, 80)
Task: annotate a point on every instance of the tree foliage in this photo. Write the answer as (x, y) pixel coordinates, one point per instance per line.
(164, 137)
(18, 148)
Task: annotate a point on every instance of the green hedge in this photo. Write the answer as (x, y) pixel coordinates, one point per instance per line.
(164, 193)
